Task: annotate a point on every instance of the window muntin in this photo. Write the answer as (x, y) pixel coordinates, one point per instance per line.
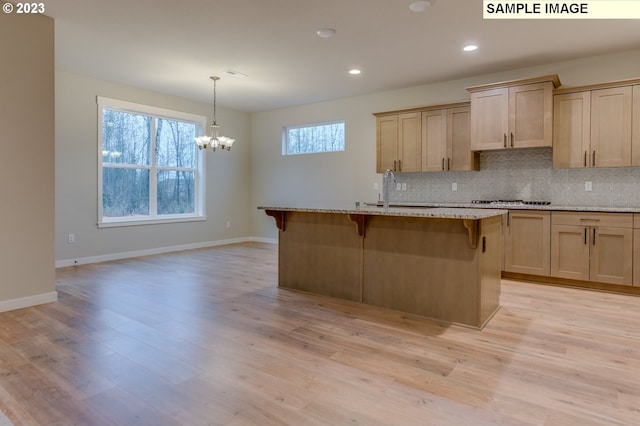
(150, 170)
(314, 138)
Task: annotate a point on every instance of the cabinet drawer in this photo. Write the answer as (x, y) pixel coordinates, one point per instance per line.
(614, 220)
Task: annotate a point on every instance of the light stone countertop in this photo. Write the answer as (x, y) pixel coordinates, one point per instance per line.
(551, 207)
(410, 211)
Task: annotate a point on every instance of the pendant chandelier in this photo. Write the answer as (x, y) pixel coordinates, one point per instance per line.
(214, 140)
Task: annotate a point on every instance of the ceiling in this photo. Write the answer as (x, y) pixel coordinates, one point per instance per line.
(174, 46)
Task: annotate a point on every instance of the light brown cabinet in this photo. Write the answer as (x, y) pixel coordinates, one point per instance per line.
(635, 127)
(636, 250)
(592, 247)
(527, 248)
(515, 114)
(446, 138)
(593, 128)
(571, 129)
(399, 142)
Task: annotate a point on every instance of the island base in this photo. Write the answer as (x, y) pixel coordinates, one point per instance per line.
(445, 269)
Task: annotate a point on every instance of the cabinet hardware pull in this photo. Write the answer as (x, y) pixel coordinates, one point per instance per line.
(593, 159)
(448, 163)
(585, 236)
(399, 165)
(394, 166)
(585, 158)
(442, 163)
(512, 138)
(505, 140)
(594, 236)
(508, 218)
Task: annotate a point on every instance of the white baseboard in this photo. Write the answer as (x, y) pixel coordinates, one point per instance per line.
(160, 250)
(25, 302)
(264, 240)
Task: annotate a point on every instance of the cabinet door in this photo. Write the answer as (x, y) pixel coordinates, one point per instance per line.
(459, 140)
(489, 119)
(570, 252)
(527, 243)
(611, 255)
(387, 142)
(434, 140)
(410, 142)
(636, 250)
(611, 127)
(635, 132)
(530, 115)
(572, 130)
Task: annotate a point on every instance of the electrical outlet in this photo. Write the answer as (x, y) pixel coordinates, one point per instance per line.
(71, 238)
(404, 186)
(228, 224)
(588, 186)
(454, 186)
(376, 187)
(398, 186)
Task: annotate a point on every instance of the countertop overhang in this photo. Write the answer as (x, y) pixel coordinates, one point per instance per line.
(465, 213)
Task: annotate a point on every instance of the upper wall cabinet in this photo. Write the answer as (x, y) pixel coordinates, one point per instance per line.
(446, 139)
(595, 128)
(398, 142)
(635, 123)
(514, 114)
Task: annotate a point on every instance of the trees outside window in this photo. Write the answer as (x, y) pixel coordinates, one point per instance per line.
(321, 137)
(150, 167)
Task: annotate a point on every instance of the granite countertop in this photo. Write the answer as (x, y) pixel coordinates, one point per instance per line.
(457, 212)
(551, 207)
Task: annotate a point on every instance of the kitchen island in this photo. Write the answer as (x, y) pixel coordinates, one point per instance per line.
(441, 263)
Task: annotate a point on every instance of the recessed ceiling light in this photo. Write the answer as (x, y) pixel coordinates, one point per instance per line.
(420, 5)
(326, 32)
(354, 71)
(470, 48)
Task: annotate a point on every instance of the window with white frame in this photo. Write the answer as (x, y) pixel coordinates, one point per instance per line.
(150, 170)
(312, 138)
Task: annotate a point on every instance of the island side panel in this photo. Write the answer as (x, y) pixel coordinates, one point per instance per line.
(424, 266)
(490, 267)
(321, 253)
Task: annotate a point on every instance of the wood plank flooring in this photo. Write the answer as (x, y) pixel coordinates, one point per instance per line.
(205, 337)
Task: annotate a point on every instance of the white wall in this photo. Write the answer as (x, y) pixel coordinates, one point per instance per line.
(339, 179)
(228, 183)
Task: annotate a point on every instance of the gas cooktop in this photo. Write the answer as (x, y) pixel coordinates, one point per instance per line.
(511, 202)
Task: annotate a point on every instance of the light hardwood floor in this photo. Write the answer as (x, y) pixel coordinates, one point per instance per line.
(205, 337)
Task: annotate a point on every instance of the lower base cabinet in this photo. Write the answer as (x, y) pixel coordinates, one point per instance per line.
(636, 250)
(527, 237)
(594, 247)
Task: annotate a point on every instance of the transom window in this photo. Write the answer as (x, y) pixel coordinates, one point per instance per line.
(312, 138)
(150, 169)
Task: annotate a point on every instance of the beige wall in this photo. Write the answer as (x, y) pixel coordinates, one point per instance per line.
(27, 264)
(227, 177)
(339, 179)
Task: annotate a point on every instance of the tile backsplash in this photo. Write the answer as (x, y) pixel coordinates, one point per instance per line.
(525, 174)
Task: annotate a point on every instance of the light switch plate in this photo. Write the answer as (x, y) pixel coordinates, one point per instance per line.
(588, 186)
(454, 186)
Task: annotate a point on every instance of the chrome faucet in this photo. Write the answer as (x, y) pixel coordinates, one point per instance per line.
(385, 188)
